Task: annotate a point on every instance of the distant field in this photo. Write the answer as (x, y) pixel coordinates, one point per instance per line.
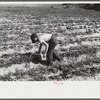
(78, 34)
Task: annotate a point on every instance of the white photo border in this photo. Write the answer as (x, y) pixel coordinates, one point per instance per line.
(33, 89)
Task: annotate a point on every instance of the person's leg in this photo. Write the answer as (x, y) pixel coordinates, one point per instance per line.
(50, 55)
(56, 56)
(52, 44)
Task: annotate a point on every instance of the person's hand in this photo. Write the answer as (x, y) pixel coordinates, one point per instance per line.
(44, 55)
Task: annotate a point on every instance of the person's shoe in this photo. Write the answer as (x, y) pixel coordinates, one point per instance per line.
(49, 64)
(59, 59)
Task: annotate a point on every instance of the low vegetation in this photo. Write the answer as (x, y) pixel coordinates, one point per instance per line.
(77, 31)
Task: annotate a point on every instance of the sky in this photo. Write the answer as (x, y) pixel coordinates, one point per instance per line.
(27, 4)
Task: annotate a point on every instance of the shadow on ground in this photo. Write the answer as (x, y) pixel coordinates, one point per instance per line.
(18, 58)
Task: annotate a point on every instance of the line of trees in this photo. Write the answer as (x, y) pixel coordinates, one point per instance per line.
(85, 6)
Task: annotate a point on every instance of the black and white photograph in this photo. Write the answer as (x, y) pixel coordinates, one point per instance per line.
(50, 42)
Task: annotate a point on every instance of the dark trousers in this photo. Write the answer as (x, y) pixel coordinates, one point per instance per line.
(51, 54)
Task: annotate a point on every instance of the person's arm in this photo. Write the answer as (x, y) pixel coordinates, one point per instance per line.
(40, 48)
(46, 47)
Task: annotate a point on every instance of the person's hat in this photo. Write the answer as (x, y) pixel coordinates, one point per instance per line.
(33, 36)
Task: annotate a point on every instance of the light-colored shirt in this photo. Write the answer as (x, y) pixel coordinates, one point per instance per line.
(45, 38)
